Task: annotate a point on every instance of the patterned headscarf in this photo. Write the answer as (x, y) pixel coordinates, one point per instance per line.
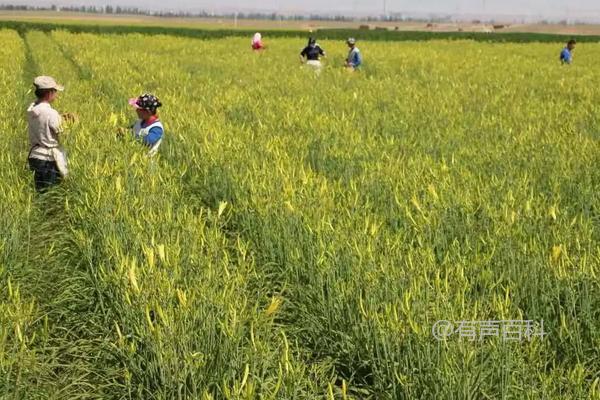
(147, 101)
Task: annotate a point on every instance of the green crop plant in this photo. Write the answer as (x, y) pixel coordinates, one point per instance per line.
(298, 236)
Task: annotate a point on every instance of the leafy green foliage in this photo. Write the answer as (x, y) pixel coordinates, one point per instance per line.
(298, 235)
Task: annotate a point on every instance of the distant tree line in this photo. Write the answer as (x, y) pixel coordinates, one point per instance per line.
(390, 17)
(81, 9)
(174, 14)
(202, 14)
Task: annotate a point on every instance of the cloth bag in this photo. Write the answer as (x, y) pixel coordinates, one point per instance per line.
(60, 158)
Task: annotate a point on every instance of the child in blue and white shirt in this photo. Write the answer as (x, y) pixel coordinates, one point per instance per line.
(148, 129)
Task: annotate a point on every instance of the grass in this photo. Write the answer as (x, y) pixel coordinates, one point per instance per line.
(298, 236)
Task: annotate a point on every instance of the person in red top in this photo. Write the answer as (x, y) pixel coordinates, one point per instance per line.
(257, 43)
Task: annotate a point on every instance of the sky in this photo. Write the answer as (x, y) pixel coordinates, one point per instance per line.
(538, 8)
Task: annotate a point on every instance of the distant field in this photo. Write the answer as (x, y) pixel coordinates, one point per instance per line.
(220, 23)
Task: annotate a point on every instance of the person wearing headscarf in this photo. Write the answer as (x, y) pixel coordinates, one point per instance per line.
(148, 129)
(257, 43)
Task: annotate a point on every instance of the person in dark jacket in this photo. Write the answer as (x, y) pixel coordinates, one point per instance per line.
(312, 53)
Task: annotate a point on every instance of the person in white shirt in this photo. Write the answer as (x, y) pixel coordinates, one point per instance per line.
(46, 158)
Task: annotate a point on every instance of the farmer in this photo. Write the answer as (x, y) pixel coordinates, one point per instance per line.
(257, 43)
(354, 60)
(312, 53)
(566, 55)
(148, 129)
(45, 124)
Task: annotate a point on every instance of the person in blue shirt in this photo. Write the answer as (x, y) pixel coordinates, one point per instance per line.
(566, 55)
(354, 60)
(148, 129)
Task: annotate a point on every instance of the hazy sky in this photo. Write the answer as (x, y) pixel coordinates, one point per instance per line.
(551, 8)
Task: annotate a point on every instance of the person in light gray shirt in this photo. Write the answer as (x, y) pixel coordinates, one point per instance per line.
(46, 159)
